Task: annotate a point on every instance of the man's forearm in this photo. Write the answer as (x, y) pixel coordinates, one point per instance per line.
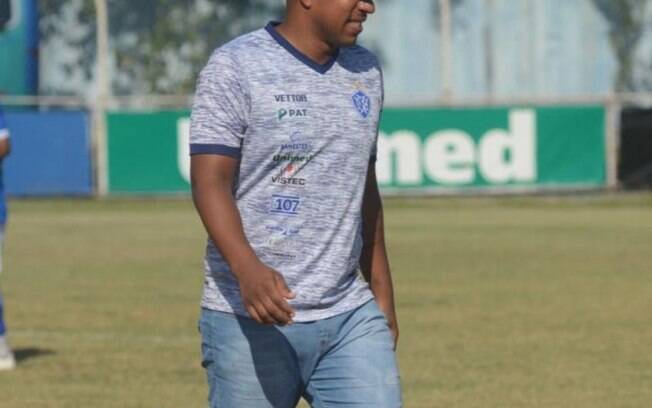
(375, 263)
(223, 223)
(5, 147)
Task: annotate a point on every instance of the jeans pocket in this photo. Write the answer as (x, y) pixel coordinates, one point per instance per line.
(378, 313)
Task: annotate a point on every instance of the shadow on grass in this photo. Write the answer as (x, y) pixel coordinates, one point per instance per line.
(26, 353)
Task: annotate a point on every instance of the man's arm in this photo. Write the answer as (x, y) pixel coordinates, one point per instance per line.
(5, 144)
(374, 262)
(5, 147)
(263, 290)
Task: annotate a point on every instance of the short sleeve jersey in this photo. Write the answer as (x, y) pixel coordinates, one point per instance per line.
(304, 134)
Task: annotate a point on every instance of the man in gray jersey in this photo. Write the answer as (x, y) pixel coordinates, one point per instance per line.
(298, 297)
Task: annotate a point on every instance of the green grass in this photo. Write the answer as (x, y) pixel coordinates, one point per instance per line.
(502, 302)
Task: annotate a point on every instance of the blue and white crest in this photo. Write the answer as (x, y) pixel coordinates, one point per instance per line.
(362, 103)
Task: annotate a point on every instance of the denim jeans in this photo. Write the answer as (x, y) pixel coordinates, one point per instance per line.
(343, 361)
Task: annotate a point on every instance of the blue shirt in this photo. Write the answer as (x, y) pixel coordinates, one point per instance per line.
(4, 134)
(304, 134)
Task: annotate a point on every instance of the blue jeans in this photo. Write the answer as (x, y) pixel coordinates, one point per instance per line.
(343, 361)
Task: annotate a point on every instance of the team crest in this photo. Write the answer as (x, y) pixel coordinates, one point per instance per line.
(362, 103)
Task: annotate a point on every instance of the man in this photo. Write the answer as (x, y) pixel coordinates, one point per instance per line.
(283, 135)
(7, 361)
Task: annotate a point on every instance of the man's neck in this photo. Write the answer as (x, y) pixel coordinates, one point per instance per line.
(306, 41)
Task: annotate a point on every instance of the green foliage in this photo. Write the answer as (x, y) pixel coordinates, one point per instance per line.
(159, 45)
(5, 13)
(626, 20)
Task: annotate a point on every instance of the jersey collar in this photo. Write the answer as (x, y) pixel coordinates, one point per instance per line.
(321, 68)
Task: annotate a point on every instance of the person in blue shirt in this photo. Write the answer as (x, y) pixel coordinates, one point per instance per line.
(7, 361)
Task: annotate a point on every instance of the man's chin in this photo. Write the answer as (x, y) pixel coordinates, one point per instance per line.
(348, 41)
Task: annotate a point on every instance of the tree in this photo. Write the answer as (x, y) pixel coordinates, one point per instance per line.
(626, 20)
(5, 13)
(158, 46)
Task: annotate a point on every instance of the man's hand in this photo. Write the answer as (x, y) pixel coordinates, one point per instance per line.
(265, 294)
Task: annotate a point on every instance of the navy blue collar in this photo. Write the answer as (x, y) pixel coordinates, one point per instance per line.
(321, 68)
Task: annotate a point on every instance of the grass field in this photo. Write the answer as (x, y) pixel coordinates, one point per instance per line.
(503, 302)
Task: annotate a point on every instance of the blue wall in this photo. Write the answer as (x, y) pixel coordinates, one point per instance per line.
(50, 155)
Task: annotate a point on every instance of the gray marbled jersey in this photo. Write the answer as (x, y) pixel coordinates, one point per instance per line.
(304, 134)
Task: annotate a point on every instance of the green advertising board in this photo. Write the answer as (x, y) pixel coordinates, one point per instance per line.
(148, 152)
(531, 148)
(419, 150)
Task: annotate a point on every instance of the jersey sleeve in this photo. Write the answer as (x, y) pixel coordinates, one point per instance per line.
(220, 109)
(4, 130)
(374, 149)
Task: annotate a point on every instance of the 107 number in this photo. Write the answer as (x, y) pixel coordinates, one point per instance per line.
(285, 205)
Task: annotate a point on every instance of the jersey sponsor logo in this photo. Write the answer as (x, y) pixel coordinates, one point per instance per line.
(280, 243)
(295, 155)
(292, 98)
(297, 143)
(282, 231)
(289, 170)
(283, 204)
(286, 178)
(292, 158)
(291, 114)
(289, 181)
(300, 147)
(362, 104)
(282, 256)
